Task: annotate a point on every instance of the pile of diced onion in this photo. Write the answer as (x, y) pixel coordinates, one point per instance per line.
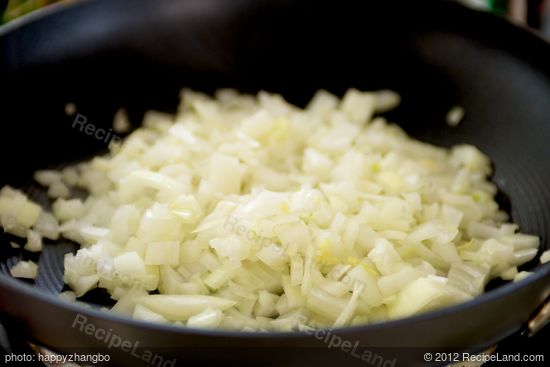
(245, 212)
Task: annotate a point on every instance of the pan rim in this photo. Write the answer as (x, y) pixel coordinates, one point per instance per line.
(54, 9)
(541, 273)
(38, 14)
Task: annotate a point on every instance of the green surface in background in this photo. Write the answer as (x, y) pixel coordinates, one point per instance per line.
(17, 8)
(499, 7)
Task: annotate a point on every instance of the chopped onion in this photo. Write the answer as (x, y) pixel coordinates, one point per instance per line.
(24, 269)
(455, 116)
(249, 213)
(34, 241)
(182, 307)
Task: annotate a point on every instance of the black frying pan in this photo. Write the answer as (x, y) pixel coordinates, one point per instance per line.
(137, 54)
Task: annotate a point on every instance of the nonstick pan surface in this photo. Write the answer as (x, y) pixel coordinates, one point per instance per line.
(102, 55)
